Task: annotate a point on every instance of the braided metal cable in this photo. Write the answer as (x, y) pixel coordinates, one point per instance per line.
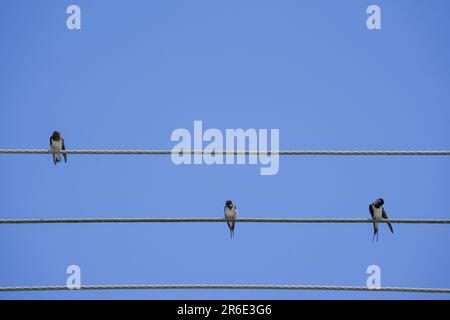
(225, 286)
(254, 220)
(242, 152)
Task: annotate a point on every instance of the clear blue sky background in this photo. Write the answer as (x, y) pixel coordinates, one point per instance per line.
(140, 69)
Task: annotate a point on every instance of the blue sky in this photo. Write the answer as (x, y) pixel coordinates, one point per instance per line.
(137, 70)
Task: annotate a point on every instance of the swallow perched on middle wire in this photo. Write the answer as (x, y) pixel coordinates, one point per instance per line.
(377, 212)
(230, 212)
(56, 145)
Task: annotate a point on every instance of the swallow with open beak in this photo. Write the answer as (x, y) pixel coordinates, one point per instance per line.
(230, 215)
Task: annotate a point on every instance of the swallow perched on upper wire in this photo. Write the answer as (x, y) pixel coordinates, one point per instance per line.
(230, 215)
(377, 212)
(57, 144)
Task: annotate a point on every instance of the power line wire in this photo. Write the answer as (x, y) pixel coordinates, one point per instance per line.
(237, 152)
(239, 220)
(225, 286)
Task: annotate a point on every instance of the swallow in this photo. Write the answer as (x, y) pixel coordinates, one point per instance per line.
(377, 212)
(57, 144)
(230, 215)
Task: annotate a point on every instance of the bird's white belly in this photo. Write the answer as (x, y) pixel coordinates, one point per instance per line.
(57, 145)
(230, 214)
(377, 213)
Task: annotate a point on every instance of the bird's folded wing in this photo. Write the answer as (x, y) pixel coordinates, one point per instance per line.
(384, 215)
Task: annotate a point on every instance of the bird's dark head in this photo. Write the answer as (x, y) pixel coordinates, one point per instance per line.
(56, 135)
(229, 204)
(378, 203)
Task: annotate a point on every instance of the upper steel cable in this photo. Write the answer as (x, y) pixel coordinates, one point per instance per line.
(256, 220)
(237, 152)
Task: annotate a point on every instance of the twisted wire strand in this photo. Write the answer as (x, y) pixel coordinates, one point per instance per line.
(254, 220)
(225, 286)
(237, 152)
